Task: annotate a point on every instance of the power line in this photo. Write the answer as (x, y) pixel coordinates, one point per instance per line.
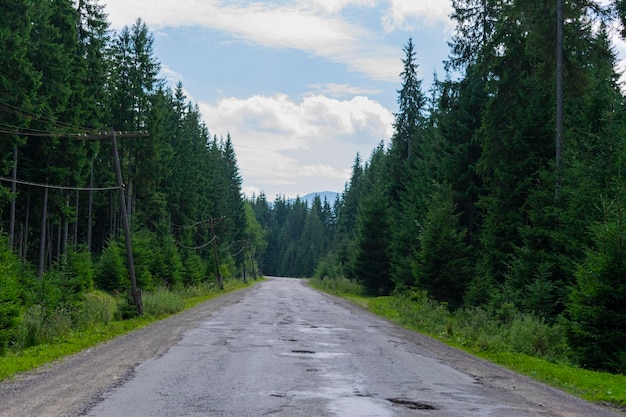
(197, 247)
(93, 135)
(26, 114)
(80, 132)
(58, 187)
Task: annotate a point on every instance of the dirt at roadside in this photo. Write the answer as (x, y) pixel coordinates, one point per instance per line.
(72, 386)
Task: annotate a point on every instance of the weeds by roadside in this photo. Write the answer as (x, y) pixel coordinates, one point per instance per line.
(42, 336)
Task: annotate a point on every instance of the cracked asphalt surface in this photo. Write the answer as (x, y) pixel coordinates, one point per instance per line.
(281, 349)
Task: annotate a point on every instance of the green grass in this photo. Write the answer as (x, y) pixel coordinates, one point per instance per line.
(599, 387)
(15, 361)
(519, 342)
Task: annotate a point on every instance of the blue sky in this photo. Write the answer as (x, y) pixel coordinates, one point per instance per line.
(301, 85)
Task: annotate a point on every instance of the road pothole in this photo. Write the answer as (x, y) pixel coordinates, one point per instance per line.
(413, 405)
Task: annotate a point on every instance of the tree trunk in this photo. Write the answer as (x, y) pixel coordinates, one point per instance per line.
(42, 236)
(66, 228)
(25, 243)
(76, 221)
(13, 193)
(90, 209)
(59, 239)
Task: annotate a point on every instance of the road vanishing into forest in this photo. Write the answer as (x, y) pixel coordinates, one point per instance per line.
(280, 348)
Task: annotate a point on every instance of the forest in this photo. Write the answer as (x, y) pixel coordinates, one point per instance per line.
(501, 188)
(500, 191)
(95, 148)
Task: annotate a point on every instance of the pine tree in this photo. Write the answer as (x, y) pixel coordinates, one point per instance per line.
(312, 243)
(441, 264)
(347, 212)
(406, 156)
(372, 255)
(597, 314)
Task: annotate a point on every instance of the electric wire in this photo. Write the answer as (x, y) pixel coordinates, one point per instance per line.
(58, 187)
(197, 247)
(79, 132)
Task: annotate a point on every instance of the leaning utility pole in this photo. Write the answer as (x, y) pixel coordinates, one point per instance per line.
(124, 217)
(220, 283)
(243, 264)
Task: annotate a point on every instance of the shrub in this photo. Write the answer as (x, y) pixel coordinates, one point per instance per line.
(111, 272)
(195, 269)
(145, 259)
(340, 285)
(532, 336)
(162, 302)
(79, 268)
(39, 325)
(97, 307)
(9, 294)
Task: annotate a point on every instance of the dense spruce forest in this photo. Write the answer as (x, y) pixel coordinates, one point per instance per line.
(71, 89)
(501, 190)
(496, 191)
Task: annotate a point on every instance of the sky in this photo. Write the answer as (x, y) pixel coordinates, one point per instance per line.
(302, 86)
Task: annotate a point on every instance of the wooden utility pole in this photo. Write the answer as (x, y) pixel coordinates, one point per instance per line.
(243, 264)
(252, 262)
(124, 217)
(218, 276)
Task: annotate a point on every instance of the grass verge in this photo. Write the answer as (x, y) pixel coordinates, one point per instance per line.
(14, 362)
(521, 343)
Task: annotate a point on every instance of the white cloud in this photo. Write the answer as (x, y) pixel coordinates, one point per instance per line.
(172, 76)
(293, 147)
(340, 90)
(407, 14)
(335, 6)
(313, 27)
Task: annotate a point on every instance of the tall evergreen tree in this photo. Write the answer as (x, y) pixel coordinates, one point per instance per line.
(372, 256)
(441, 264)
(406, 156)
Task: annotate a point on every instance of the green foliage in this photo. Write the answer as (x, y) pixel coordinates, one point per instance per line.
(19, 360)
(338, 286)
(40, 324)
(328, 268)
(9, 293)
(81, 271)
(162, 302)
(597, 313)
(195, 270)
(441, 267)
(111, 271)
(174, 270)
(146, 259)
(371, 263)
(97, 307)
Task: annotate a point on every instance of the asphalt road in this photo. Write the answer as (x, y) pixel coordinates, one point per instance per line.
(284, 349)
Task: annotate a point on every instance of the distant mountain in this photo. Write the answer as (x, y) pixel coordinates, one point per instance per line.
(329, 195)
